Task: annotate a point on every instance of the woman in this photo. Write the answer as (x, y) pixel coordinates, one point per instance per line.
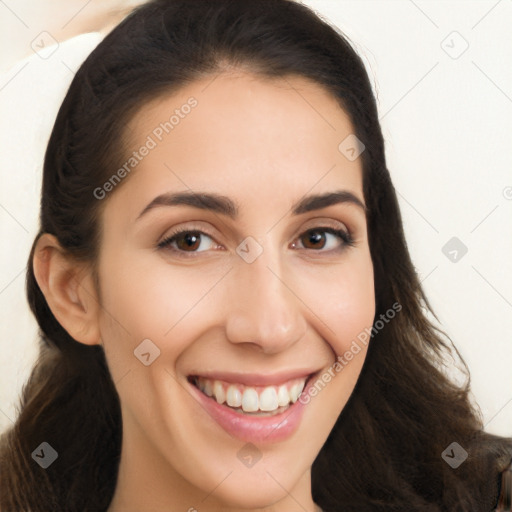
(263, 371)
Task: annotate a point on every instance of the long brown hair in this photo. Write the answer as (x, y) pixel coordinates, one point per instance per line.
(384, 452)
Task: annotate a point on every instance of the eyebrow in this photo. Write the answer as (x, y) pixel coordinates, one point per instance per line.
(224, 205)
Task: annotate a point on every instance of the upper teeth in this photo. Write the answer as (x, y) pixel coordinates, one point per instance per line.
(252, 399)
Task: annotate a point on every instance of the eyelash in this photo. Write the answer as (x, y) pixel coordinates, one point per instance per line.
(345, 237)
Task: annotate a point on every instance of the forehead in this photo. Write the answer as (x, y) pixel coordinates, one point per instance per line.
(241, 135)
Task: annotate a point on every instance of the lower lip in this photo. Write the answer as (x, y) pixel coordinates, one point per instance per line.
(260, 429)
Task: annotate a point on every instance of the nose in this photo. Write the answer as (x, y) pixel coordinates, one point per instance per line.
(264, 309)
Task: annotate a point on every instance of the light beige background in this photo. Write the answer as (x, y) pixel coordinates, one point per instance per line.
(446, 117)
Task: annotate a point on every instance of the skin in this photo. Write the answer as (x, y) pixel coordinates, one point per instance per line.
(300, 304)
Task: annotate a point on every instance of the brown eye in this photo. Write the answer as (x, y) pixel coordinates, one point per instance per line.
(316, 238)
(188, 240)
(184, 241)
(313, 237)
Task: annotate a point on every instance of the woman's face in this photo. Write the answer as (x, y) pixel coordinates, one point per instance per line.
(254, 299)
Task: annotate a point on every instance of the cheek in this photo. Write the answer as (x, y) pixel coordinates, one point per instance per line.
(146, 298)
(343, 301)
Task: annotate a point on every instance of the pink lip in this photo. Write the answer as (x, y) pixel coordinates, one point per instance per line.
(253, 379)
(256, 429)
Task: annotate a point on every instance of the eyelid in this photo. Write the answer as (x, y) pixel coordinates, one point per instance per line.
(318, 222)
(331, 226)
(185, 227)
(324, 222)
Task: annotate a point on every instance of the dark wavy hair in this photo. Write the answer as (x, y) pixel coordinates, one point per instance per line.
(384, 452)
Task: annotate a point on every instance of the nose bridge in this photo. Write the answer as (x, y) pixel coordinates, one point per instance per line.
(263, 307)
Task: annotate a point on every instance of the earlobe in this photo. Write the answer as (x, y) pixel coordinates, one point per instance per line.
(68, 287)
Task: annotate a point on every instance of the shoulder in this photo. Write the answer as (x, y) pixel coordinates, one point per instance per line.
(505, 489)
(499, 453)
(487, 471)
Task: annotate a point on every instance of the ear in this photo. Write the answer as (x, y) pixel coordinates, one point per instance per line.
(68, 287)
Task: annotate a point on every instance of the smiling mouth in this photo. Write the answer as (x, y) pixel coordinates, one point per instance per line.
(252, 400)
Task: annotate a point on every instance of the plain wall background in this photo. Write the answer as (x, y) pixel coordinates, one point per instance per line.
(446, 114)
